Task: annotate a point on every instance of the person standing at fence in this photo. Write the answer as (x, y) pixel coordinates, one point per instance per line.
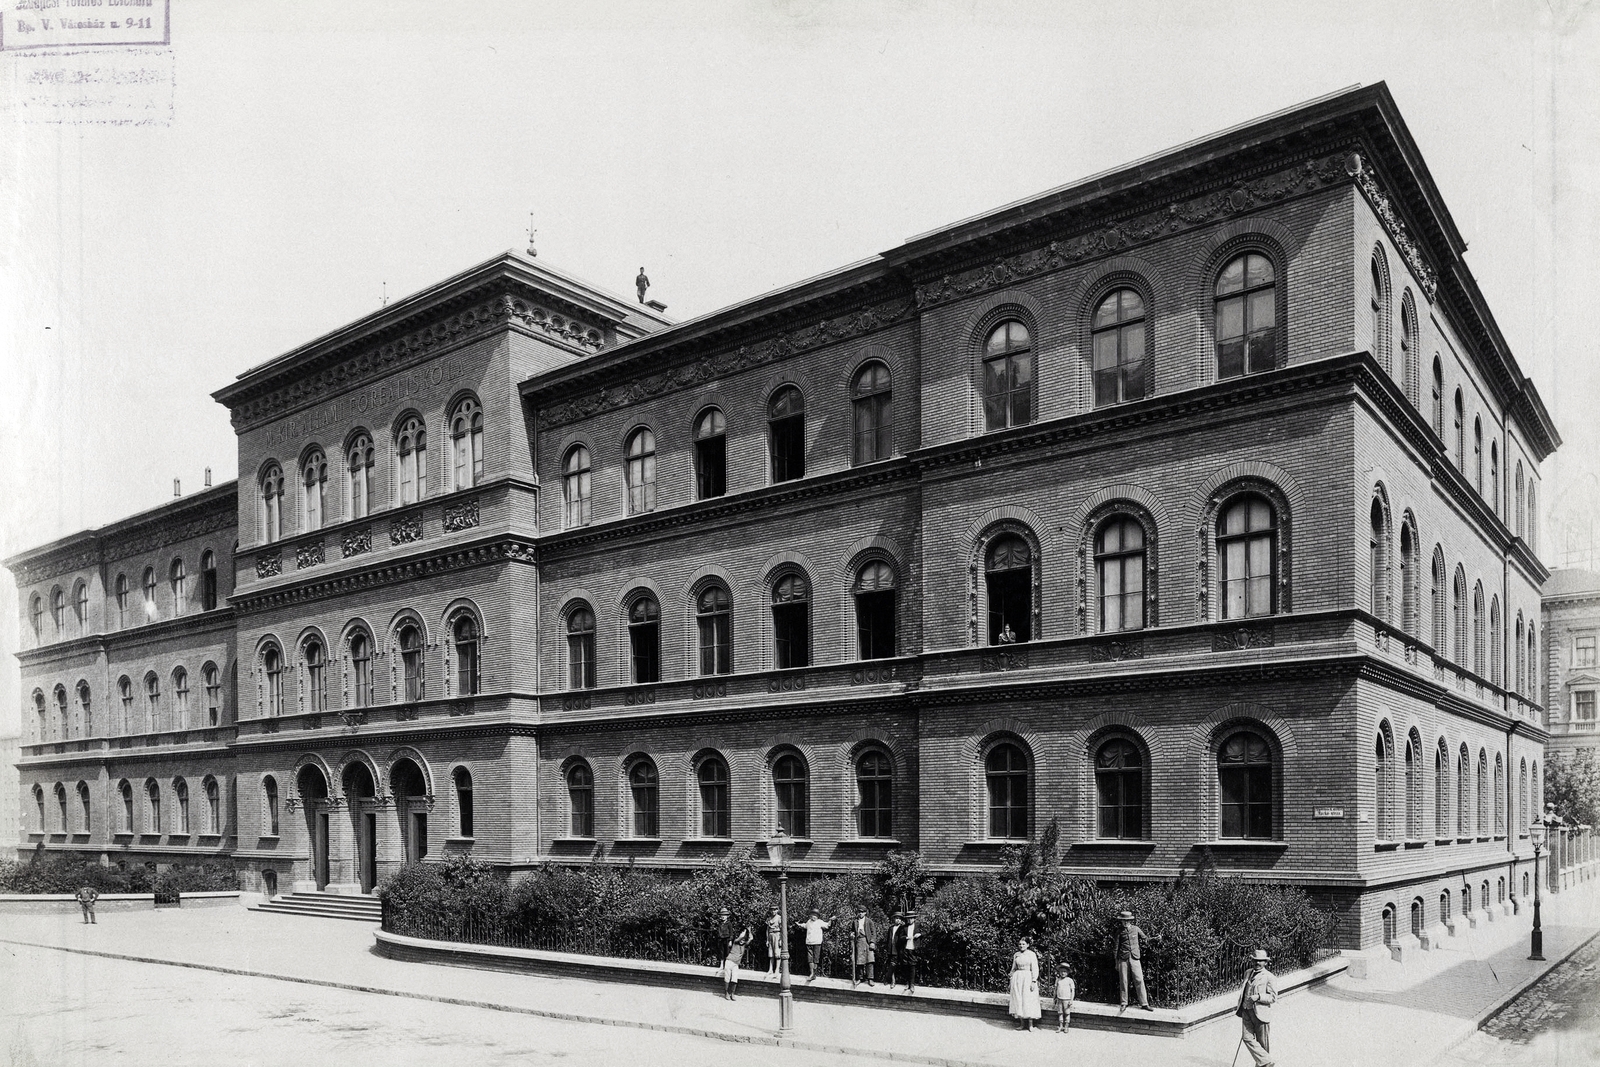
(87, 895)
(1256, 998)
(774, 940)
(909, 943)
(891, 944)
(863, 947)
(1129, 953)
(813, 926)
(724, 933)
(734, 960)
(1024, 1004)
(1066, 993)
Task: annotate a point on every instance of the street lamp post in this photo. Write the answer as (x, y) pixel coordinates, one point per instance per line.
(1537, 831)
(778, 847)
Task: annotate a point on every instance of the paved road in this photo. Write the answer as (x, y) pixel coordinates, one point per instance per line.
(1555, 1023)
(60, 1009)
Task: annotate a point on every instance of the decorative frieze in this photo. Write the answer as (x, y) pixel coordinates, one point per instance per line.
(461, 516)
(1242, 637)
(788, 683)
(354, 717)
(407, 712)
(1004, 661)
(1409, 250)
(404, 531)
(1117, 649)
(269, 564)
(579, 702)
(356, 542)
(462, 707)
(309, 555)
(709, 690)
(873, 675)
(638, 697)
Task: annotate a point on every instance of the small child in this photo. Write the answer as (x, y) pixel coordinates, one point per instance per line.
(734, 960)
(1066, 992)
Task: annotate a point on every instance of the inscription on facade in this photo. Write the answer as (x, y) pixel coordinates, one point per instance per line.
(338, 414)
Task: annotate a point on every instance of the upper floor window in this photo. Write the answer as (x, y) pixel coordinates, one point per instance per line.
(358, 461)
(1244, 785)
(180, 698)
(791, 621)
(58, 611)
(644, 639)
(1005, 771)
(411, 662)
(1477, 455)
(1583, 705)
(41, 714)
(1438, 399)
(81, 607)
(1533, 517)
(710, 454)
(786, 433)
(1247, 551)
(1517, 501)
(644, 788)
(272, 667)
(1583, 650)
(269, 792)
(1007, 376)
(411, 461)
(150, 594)
(875, 795)
(85, 710)
(152, 698)
(361, 668)
(36, 613)
(272, 503)
(580, 800)
(1119, 567)
(791, 782)
(1458, 609)
(580, 648)
(1246, 316)
(208, 580)
(1119, 783)
(1379, 314)
(875, 610)
(62, 714)
(575, 486)
(1478, 641)
(1408, 347)
(1440, 626)
(213, 683)
(1008, 580)
(180, 790)
(466, 637)
(1118, 337)
(179, 579)
(1494, 476)
(871, 414)
(125, 694)
(712, 775)
(463, 784)
(213, 807)
(316, 676)
(641, 472)
(152, 806)
(714, 622)
(466, 446)
(122, 602)
(1461, 434)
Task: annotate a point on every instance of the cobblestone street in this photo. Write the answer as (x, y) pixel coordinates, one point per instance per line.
(1556, 1022)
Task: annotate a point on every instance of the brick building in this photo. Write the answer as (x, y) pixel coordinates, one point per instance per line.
(1190, 505)
(1572, 671)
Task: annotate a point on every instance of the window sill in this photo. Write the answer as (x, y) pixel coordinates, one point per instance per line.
(267, 837)
(870, 842)
(1485, 837)
(792, 841)
(624, 841)
(1415, 842)
(1262, 844)
(708, 841)
(1115, 842)
(1444, 840)
(572, 840)
(210, 837)
(1499, 837)
(1465, 840)
(1385, 846)
(458, 840)
(179, 837)
(121, 835)
(997, 842)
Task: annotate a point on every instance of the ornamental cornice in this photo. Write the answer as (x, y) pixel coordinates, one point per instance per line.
(1397, 230)
(817, 334)
(222, 519)
(148, 535)
(1240, 198)
(199, 622)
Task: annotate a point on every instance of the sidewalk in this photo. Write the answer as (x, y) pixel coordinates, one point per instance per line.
(1403, 1015)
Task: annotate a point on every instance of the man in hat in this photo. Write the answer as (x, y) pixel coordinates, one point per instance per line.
(1260, 992)
(813, 926)
(725, 932)
(774, 940)
(892, 943)
(863, 947)
(910, 943)
(1128, 953)
(87, 895)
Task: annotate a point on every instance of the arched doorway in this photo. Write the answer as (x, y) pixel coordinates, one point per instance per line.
(411, 805)
(313, 789)
(361, 794)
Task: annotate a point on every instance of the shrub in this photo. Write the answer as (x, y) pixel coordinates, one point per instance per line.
(459, 895)
(67, 876)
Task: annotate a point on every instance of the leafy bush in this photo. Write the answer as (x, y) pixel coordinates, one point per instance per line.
(67, 876)
(454, 896)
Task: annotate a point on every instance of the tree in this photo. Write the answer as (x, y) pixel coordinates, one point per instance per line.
(1572, 784)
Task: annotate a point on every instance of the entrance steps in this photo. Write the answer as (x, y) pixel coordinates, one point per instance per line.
(326, 905)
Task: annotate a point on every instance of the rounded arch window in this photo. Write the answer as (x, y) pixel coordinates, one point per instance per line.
(86, 712)
(712, 777)
(269, 796)
(791, 621)
(180, 793)
(466, 635)
(178, 578)
(1247, 557)
(1008, 578)
(786, 434)
(180, 698)
(271, 502)
(1244, 786)
(710, 454)
(85, 808)
(580, 648)
(213, 806)
(580, 800)
(462, 779)
(641, 472)
(63, 716)
(466, 447)
(150, 611)
(1246, 316)
(1437, 399)
(874, 593)
(644, 639)
(1007, 376)
(874, 794)
(791, 784)
(410, 639)
(62, 823)
(208, 580)
(1119, 560)
(361, 668)
(714, 625)
(1117, 334)
(314, 483)
(576, 487)
(122, 604)
(1005, 771)
(871, 417)
(41, 714)
(644, 789)
(152, 697)
(58, 610)
(36, 612)
(316, 662)
(411, 460)
(358, 461)
(80, 596)
(126, 791)
(1119, 786)
(272, 667)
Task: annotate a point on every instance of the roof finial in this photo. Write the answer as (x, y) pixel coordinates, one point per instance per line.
(533, 253)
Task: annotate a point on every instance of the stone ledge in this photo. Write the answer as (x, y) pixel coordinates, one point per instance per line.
(33, 903)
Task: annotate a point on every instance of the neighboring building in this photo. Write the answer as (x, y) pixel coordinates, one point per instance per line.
(1571, 661)
(10, 790)
(1190, 506)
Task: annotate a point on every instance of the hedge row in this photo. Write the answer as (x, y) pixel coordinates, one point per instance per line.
(67, 876)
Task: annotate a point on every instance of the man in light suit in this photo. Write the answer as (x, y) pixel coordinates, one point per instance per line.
(1260, 992)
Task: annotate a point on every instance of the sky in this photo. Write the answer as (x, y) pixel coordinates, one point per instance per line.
(316, 158)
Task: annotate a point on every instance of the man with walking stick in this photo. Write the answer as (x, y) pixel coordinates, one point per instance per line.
(1255, 1010)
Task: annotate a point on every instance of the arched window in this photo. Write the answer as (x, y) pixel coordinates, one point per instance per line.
(791, 621)
(361, 668)
(1519, 658)
(125, 694)
(1119, 785)
(314, 486)
(85, 712)
(63, 715)
(1408, 347)
(1387, 919)
(1247, 555)
(126, 790)
(41, 714)
(641, 472)
(1008, 580)
(152, 792)
(1517, 501)
(411, 461)
(269, 796)
(714, 622)
(872, 419)
(1007, 376)
(213, 807)
(465, 632)
(36, 612)
(875, 794)
(180, 791)
(466, 448)
(1117, 334)
(80, 607)
(58, 611)
(1477, 630)
(1464, 793)
(1461, 434)
(122, 604)
(1499, 796)
(1533, 517)
(1380, 314)
(1483, 793)
(710, 454)
(410, 638)
(1005, 771)
(358, 461)
(1246, 316)
(645, 791)
(644, 639)
(1534, 792)
(1408, 580)
(1378, 561)
(272, 667)
(580, 800)
(1438, 399)
(1520, 819)
(875, 610)
(580, 648)
(712, 775)
(1413, 788)
(212, 679)
(1496, 643)
(1535, 665)
(85, 809)
(575, 486)
(463, 783)
(1477, 455)
(1383, 787)
(208, 580)
(271, 503)
(1441, 794)
(1244, 786)
(791, 787)
(61, 808)
(180, 699)
(1119, 566)
(1494, 476)
(316, 676)
(1458, 606)
(178, 579)
(152, 698)
(786, 434)
(38, 804)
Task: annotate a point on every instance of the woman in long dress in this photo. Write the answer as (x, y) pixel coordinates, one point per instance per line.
(1025, 986)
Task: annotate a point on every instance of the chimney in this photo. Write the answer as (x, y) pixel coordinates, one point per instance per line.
(208, 477)
(177, 489)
